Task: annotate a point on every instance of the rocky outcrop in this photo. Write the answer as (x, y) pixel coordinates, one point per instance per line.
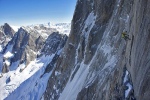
(54, 42)
(27, 62)
(96, 63)
(24, 46)
(8, 30)
(28, 45)
(39, 70)
(54, 45)
(6, 33)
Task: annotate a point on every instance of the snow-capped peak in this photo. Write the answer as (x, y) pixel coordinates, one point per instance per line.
(46, 29)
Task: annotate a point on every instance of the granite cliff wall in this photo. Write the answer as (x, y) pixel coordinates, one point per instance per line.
(96, 63)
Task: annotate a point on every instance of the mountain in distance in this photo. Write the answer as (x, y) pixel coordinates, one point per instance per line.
(28, 57)
(6, 33)
(46, 29)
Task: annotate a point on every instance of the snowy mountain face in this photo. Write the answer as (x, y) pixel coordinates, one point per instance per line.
(28, 58)
(6, 33)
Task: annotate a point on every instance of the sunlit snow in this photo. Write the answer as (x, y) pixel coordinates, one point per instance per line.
(15, 28)
(8, 55)
(26, 84)
(75, 85)
(1, 48)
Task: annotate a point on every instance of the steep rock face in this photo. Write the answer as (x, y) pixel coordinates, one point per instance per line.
(8, 30)
(54, 41)
(6, 33)
(53, 45)
(24, 46)
(29, 61)
(30, 42)
(96, 63)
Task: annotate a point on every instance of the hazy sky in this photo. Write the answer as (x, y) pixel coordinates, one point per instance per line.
(27, 12)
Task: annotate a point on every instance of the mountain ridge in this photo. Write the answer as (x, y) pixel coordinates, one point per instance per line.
(28, 52)
(94, 63)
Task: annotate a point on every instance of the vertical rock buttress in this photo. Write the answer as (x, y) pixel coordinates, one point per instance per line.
(96, 63)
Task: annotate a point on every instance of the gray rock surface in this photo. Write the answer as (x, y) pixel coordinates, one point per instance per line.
(24, 47)
(96, 63)
(28, 58)
(27, 45)
(53, 43)
(6, 33)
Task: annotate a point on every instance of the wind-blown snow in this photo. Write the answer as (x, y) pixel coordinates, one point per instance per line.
(126, 77)
(74, 87)
(128, 90)
(127, 84)
(7, 62)
(1, 48)
(8, 55)
(1, 62)
(88, 25)
(106, 49)
(111, 63)
(76, 58)
(28, 84)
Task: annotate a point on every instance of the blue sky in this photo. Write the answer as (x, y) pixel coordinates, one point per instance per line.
(27, 12)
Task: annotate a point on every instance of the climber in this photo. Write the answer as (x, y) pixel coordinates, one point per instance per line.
(125, 35)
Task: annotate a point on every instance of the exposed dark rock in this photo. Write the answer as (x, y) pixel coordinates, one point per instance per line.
(95, 44)
(25, 46)
(39, 43)
(6, 33)
(54, 42)
(8, 30)
(30, 47)
(54, 45)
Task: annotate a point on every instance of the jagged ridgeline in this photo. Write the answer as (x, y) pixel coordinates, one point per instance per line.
(94, 63)
(27, 58)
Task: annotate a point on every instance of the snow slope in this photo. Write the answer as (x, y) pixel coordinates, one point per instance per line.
(24, 81)
(74, 86)
(1, 48)
(28, 84)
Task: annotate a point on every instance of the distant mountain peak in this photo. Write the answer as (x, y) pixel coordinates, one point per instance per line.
(8, 29)
(6, 24)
